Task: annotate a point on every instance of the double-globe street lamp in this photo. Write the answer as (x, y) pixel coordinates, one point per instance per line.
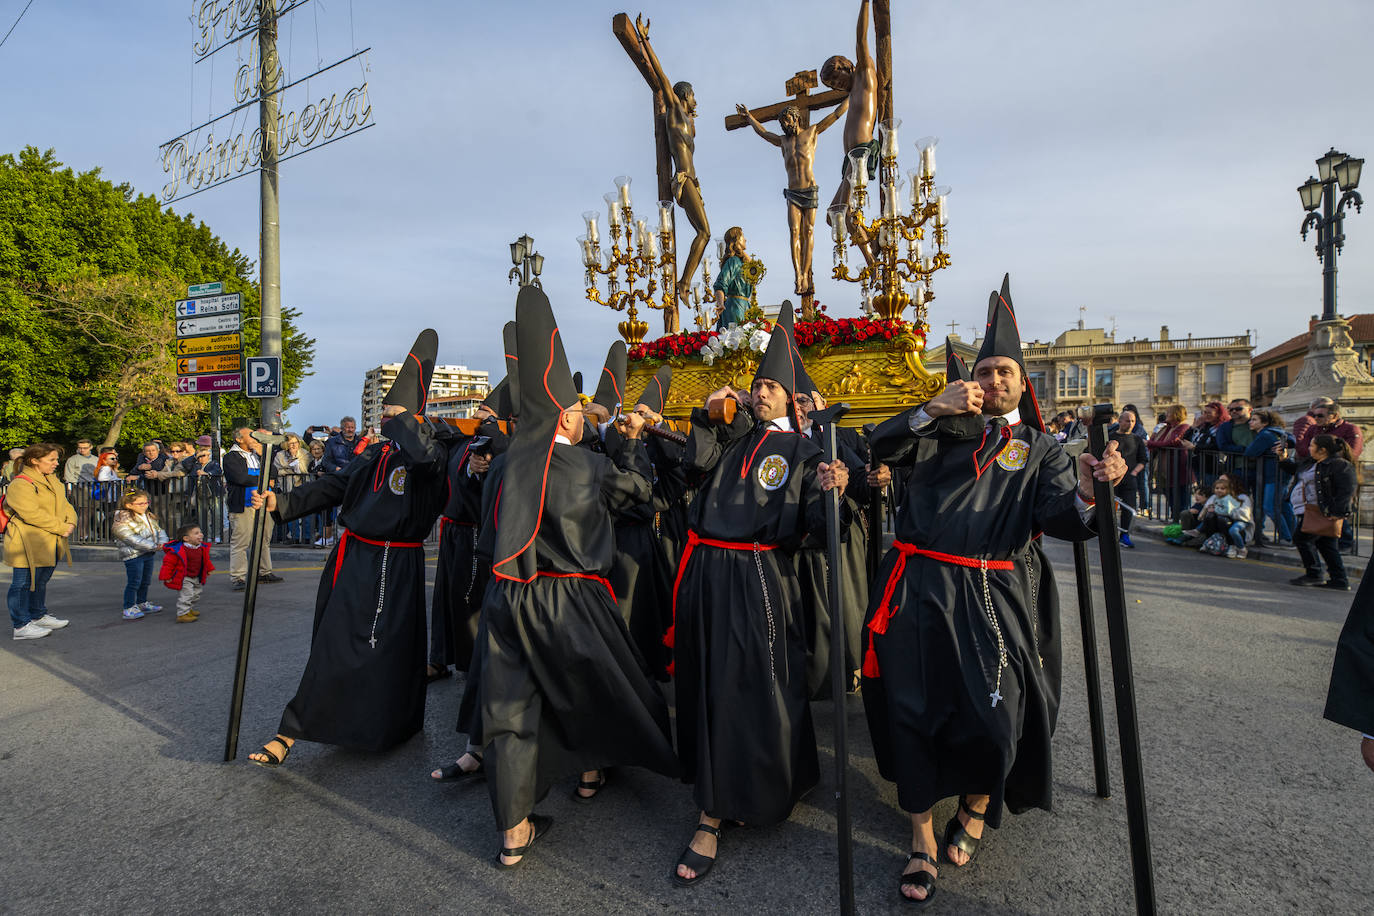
(1334, 169)
(529, 264)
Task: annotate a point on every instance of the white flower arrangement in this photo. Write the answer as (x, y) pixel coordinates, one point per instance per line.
(750, 336)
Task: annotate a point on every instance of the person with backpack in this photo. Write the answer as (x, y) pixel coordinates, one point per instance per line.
(37, 520)
(1326, 485)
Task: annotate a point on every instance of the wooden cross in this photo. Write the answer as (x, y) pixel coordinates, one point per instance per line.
(798, 87)
(624, 30)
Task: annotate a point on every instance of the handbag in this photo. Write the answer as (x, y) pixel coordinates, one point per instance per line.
(1317, 522)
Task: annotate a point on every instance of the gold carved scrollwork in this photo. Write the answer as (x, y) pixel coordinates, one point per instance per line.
(905, 370)
(856, 382)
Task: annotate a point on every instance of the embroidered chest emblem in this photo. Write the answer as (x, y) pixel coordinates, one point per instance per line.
(773, 472)
(1014, 456)
(396, 480)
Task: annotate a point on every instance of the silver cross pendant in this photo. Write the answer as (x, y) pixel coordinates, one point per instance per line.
(995, 696)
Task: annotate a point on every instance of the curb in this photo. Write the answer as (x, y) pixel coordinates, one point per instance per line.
(1354, 565)
(219, 553)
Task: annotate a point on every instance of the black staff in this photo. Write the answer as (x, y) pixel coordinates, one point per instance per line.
(1089, 626)
(839, 677)
(250, 595)
(1123, 680)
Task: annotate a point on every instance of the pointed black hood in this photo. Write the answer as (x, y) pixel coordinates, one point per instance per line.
(610, 388)
(1003, 338)
(546, 391)
(504, 399)
(411, 388)
(956, 370)
(782, 360)
(655, 393)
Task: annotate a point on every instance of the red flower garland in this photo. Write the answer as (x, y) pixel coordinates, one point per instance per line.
(831, 331)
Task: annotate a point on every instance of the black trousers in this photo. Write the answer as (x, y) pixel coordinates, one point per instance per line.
(1311, 545)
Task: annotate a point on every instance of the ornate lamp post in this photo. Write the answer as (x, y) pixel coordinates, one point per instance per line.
(881, 239)
(1335, 169)
(647, 254)
(529, 264)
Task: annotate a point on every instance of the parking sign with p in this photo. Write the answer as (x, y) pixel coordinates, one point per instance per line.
(263, 375)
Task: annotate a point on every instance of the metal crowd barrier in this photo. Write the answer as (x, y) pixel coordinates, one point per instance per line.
(1176, 472)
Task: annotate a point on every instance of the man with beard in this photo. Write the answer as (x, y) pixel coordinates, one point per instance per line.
(364, 683)
(961, 672)
(745, 736)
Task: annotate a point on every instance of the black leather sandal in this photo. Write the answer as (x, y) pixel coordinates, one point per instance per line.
(455, 773)
(595, 787)
(696, 861)
(272, 759)
(540, 824)
(958, 837)
(919, 878)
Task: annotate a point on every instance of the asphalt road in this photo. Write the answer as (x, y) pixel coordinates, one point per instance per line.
(117, 800)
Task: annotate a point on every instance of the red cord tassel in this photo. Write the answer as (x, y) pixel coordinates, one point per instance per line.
(669, 636)
(876, 626)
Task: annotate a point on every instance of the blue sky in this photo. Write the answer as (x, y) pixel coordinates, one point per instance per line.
(1140, 160)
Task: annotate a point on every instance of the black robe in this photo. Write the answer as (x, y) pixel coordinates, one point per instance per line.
(937, 728)
(745, 736)
(364, 683)
(812, 565)
(1350, 698)
(563, 690)
(641, 573)
(459, 579)
(470, 707)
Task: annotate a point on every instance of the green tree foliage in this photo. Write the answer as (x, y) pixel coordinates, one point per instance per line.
(88, 274)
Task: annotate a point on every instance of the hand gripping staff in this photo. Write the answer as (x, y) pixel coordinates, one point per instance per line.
(839, 677)
(1123, 680)
(250, 595)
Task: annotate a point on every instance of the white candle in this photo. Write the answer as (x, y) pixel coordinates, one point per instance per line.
(612, 209)
(592, 235)
(928, 161)
(940, 210)
(665, 216)
(858, 172)
(652, 246)
(625, 193)
(916, 249)
(890, 143)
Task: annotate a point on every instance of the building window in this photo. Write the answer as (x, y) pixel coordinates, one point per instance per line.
(1166, 382)
(1037, 383)
(1257, 390)
(1102, 384)
(1214, 379)
(1073, 382)
(1281, 377)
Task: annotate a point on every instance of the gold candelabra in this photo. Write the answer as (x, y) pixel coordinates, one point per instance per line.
(647, 255)
(881, 239)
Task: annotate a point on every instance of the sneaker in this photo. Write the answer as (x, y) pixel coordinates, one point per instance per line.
(1126, 540)
(148, 607)
(1231, 552)
(132, 613)
(187, 618)
(319, 542)
(237, 585)
(270, 577)
(31, 630)
(49, 622)
(1241, 553)
(1306, 581)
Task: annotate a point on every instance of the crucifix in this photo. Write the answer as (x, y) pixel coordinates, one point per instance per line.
(954, 329)
(798, 144)
(675, 109)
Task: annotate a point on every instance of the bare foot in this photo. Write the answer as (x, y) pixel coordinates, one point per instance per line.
(703, 844)
(1367, 749)
(515, 838)
(467, 763)
(277, 752)
(922, 840)
(972, 826)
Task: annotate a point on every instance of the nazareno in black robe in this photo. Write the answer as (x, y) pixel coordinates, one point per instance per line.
(745, 735)
(812, 566)
(640, 573)
(460, 579)
(563, 689)
(1350, 696)
(470, 706)
(364, 683)
(930, 680)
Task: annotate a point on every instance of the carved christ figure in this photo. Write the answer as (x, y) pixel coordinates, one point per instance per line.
(679, 121)
(860, 80)
(798, 146)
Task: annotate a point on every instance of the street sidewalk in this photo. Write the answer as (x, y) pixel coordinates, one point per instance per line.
(1287, 556)
(219, 553)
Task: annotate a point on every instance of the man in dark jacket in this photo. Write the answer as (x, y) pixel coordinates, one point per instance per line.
(242, 468)
(341, 447)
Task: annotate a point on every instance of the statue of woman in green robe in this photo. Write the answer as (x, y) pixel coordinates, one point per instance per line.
(732, 290)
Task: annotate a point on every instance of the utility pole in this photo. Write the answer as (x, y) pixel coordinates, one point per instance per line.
(269, 261)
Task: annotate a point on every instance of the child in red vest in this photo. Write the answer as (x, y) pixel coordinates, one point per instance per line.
(185, 567)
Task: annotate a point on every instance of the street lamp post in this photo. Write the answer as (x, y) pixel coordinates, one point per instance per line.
(529, 264)
(1337, 170)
